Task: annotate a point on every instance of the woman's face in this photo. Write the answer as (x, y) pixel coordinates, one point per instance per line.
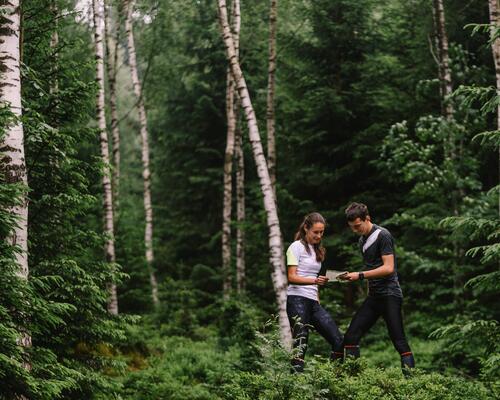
(315, 233)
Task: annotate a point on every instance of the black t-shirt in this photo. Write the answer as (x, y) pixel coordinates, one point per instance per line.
(378, 243)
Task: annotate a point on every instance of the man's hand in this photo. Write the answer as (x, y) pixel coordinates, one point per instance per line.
(321, 280)
(351, 276)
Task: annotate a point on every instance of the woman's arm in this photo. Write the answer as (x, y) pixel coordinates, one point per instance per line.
(385, 269)
(293, 277)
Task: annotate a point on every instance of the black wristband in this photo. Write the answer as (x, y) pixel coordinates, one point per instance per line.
(361, 276)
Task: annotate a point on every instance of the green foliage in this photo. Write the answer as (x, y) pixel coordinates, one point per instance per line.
(13, 289)
(62, 306)
(357, 105)
(351, 381)
(184, 370)
(179, 301)
(179, 367)
(238, 323)
(185, 57)
(477, 330)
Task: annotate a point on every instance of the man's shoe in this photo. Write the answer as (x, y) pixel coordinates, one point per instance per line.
(352, 350)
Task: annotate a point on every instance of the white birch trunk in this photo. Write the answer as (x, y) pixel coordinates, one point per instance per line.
(236, 26)
(240, 212)
(240, 165)
(146, 174)
(444, 59)
(12, 162)
(275, 244)
(271, 84)
(495, 47)
(111, 64)
(98, 8)
(231, 118)
(227, 198)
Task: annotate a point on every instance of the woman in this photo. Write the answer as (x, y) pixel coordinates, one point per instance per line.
(304, 257)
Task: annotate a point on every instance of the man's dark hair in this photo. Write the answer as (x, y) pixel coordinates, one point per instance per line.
(356, 210)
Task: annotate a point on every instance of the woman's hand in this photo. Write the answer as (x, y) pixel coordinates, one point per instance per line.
(321, 280)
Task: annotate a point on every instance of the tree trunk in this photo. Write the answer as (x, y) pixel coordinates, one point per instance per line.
(240, 211)
(98, 8)
(444, 60)
(231, 118)
(271, 83)
(236, 26)
(275, 243)
(495, 47)
(12, 162)
(227, 201)
(146, 174)
(240, 166)
(111, 64)
(446, 89)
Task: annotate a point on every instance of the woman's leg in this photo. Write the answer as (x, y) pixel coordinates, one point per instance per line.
(391, 313)
(326, 327)
(299, 311)
(362, 321)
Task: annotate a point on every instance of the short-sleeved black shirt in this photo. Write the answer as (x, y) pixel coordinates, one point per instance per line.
(379, 242)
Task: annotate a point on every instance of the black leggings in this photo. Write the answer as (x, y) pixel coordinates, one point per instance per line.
(302, 313)
(389, 307)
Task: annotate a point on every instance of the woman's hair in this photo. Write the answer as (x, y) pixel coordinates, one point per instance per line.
(307, 223)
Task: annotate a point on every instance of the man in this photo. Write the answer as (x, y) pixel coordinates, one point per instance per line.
(384, 293)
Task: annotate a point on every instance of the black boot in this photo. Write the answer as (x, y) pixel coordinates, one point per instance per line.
(352, 351)
(297, 365)
(407, 364)
(337, 355)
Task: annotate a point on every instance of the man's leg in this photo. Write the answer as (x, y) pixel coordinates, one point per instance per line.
(299, 311)
(326, 327)
(362, 321)
(392, 316)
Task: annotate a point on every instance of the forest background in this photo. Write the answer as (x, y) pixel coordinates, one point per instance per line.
(393, 104)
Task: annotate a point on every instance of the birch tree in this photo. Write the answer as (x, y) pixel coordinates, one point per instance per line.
(444, 71)
(111, 64)
(12, 162)
(240, 167)
(146, 174)
(240, 211)
(271, 84)
(231, 118)
(495, 48)
(275, 244)
(98, 10)
(227, 198)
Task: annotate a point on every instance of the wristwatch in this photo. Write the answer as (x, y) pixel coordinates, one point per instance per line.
(361, 276)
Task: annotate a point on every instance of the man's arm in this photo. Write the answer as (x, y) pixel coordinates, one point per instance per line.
(385, 269)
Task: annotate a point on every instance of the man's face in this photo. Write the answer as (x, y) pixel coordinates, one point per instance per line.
(360, 227)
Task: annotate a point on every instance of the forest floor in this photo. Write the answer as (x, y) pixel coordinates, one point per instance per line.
(199, 367)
